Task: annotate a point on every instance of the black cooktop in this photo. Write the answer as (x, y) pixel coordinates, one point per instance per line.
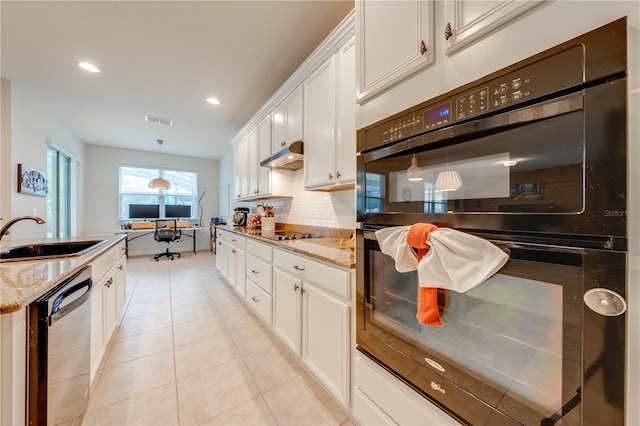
(290, 236)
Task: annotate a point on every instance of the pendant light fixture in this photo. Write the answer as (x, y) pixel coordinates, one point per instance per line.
(159, 183)
(413, 172)
(448, 180)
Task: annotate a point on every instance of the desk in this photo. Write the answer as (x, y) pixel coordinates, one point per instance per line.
(137, 233)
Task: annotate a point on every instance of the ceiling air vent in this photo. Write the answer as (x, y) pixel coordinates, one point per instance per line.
(158, 120)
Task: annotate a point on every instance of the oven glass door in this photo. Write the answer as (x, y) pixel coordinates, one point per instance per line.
(513, 342)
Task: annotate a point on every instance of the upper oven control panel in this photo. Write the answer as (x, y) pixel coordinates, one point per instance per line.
(502, 90)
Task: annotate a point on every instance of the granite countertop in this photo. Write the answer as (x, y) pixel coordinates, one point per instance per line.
(325, 248)
(23, 282)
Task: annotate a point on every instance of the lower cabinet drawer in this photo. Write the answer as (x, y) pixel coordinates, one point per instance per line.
(260, 272)
(260, 301)
(328, 278)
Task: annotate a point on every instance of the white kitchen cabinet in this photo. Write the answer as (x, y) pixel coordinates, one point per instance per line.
(241, 169)
(329, 122)
(325, 339)
(346, 113)
(264, 151)
(13, 368)
(259, 274)
(221, 252)
(121, 289)
(286, 119)
(319, 126)
(395, 40)
(311, 320)
(287, 309)
(471, 20)
(235, 261)
(108, 298)
(253, 162)
(271, 183)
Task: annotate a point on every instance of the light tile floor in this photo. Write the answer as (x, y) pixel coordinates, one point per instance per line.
(189, 351)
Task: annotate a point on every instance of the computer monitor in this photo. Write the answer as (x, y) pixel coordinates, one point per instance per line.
(144, 211)
(178, 211)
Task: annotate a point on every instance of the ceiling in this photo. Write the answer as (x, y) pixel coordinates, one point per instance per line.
(163, 59)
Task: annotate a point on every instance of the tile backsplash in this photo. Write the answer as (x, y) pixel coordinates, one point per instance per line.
(315, 208)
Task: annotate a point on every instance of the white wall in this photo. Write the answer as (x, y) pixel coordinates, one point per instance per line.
(29, 126)
(101, 199)
(5, 149)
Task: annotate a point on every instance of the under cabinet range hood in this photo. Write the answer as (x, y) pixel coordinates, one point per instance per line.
(289, 158)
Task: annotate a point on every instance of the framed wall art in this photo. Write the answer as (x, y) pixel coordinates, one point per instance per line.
(32, 181)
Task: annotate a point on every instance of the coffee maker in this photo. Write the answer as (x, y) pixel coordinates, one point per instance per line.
(240, 216)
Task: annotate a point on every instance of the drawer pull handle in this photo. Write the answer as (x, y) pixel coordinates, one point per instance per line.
(297, 268)
(253, 271)
(255, 299)
(295, 287)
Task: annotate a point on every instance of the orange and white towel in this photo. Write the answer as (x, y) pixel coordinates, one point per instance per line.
(445, 258)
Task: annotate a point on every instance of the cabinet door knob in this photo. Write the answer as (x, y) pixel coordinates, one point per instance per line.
(253, 271)
(255, 299)
(338, 175)
(295, 287)
(448, 31)
(109, 282)
(283, 143)
(233, 251)
(120, 267)
(423, 47)
(297, 268)
(302, 290)
(330, 176)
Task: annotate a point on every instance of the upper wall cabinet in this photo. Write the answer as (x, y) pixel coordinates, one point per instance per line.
(264, 143)
(252, 182)
(470, 20)
(329, 122)
(241, 169)
(395, 40)
(287, 121)
(253, 161)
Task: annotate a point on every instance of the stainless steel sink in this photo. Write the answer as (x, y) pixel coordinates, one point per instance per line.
(48, 250)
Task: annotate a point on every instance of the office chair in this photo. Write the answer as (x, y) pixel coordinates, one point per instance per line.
(166, 233)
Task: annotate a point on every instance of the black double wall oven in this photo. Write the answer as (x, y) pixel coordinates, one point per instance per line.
(532, 158)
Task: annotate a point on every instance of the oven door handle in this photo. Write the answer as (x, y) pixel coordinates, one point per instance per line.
(519, 117)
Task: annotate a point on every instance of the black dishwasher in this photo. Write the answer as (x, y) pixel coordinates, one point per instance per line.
(59, 353)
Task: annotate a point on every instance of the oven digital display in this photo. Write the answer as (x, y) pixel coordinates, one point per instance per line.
(437, 116)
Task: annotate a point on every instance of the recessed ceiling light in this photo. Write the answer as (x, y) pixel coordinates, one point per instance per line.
(88, 67)
(158, 120)
(213, 101)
